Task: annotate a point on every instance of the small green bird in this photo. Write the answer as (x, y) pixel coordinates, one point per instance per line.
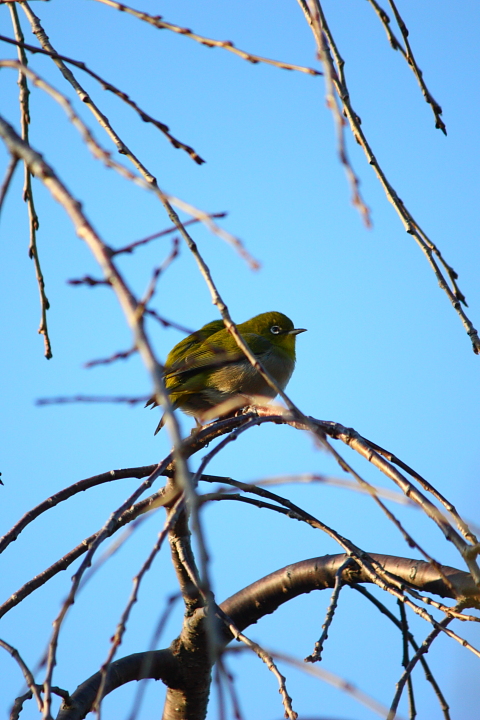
(207, 369)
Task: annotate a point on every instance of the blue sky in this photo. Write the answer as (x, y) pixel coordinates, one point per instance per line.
(385, 352)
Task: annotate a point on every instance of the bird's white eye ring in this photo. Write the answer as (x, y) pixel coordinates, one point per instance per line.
(276, 329)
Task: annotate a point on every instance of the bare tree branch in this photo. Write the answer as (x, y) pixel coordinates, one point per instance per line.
(157, 22)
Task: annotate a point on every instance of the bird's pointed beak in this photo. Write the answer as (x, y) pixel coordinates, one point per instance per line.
(297, 331)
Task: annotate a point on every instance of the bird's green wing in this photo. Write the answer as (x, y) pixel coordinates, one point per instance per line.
(216, 351)
(176, 357)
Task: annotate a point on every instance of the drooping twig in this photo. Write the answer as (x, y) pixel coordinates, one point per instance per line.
(302, 478)
(405, 660)
(29, 679)
(9, 172)
(428, 673)
(60, 61)
(424, 648)
(237, 713)
(329, 677)
(385, 20)
(407, 54)
(69, 492)
(146, 183)
(218, 680)
(129, 304)
(431, 251)
(27, 187)
(460, 522)
(150, 291)
(316, 656)
(436, 109)
(157, 22)
(267, 658)
(323, 54)
(121, 627)
(146, 666)
(234, 435)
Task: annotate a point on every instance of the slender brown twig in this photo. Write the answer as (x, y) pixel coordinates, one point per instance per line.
(316, 656)
(19, 701)
(424, 648)
(27, 187)
(9, 173)
(431, 251)
(138, 243)
(157, 22)
(323, 54)
(405, 660)
(27, 674)
(146, 665)
(267, 658)
(60, 60)
(410, 58)
(385, 20)
(121, 627)
(428, 673)
(326, 676)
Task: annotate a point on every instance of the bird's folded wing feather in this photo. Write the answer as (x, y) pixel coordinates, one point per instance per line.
(209, 355)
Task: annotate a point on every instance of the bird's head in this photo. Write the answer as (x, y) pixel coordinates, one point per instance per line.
(275, 327)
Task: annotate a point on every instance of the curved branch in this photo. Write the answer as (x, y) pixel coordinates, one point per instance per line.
(156, 665)
(178, 666)
(264, 596)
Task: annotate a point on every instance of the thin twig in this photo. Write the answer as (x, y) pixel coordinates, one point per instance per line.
(218, 680)
(132, 246)
(331, 678)
(93, 399)
(302, 478)
(316, 656)
(237, 713)
(68, 492)
(129, 304)
(385, 580)
(331, 101)
(436, 109)
(405, 660)
(27, 188)
(88, 280)
(157, 22)
(426, 668)
(267, 658)
(60, 61)
(460, 522)
(57, 624)
(17, 706)
(9, 172)
(424, 648)
(385, 20)
(146, 665)
(149, 184)
(123, 355)
(121, 627)
(430, 250)
(150, 291)
(29, 679)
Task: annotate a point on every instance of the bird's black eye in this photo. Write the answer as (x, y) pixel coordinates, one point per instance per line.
(276, 329)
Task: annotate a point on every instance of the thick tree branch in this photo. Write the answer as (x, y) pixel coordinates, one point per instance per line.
(185, 666)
